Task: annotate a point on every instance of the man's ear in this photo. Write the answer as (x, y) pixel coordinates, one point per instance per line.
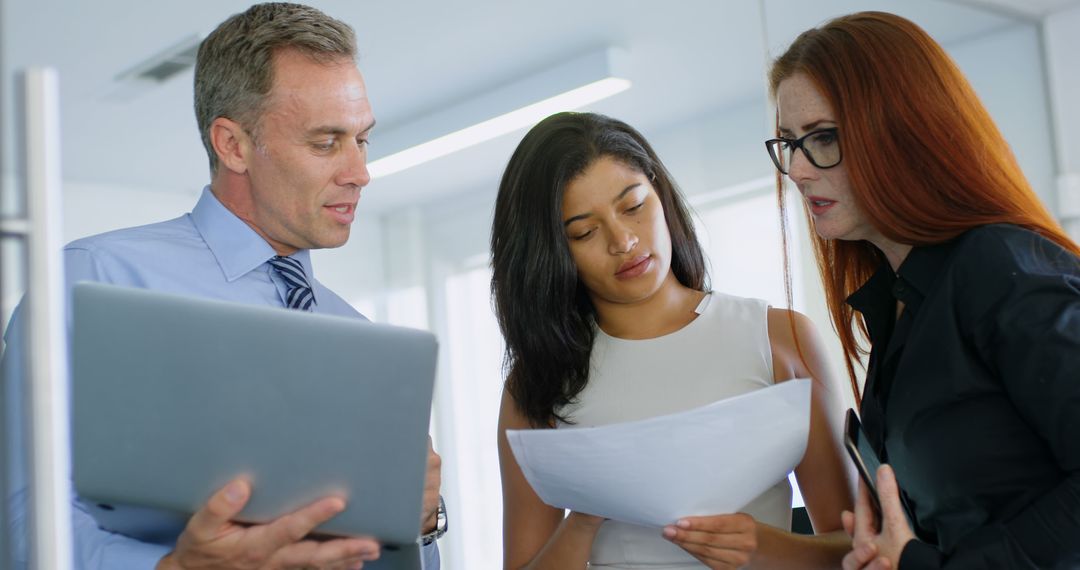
(231, 143)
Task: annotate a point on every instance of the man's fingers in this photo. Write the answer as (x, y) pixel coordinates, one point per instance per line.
(295, 526)
(339, 553)
(847, 519)
(434, 468)
(222, 507)
(434, 462)
(432, 483)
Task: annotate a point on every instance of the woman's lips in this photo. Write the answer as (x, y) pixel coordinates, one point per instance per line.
(819, 205)
(634, 267)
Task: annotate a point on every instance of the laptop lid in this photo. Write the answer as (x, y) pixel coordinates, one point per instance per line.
(173, 396)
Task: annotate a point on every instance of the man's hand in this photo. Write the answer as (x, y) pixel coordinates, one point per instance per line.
(871, 549)
(212, 541)
(432, 483)
(719, 541)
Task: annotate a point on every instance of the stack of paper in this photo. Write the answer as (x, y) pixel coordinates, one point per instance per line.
(707, 461)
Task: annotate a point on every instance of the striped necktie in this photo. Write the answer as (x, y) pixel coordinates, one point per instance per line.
(298, 295)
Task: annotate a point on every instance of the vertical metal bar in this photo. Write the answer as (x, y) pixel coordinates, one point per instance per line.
(6, 459)
(1067, 190)
(49, 449)
(12, 460)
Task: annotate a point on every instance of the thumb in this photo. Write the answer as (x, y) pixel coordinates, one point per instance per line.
(221, 508)
(847, 520)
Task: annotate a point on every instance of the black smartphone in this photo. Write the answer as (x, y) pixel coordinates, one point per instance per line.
(865, 459)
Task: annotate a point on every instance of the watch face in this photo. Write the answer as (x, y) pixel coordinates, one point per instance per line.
(440, 518)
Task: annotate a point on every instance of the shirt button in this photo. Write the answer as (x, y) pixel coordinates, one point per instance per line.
(899, 289)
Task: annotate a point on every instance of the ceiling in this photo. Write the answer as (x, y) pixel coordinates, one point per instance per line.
(688, 57)
(1021, 8)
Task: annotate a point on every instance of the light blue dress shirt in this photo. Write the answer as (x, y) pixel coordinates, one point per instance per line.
(208, 253)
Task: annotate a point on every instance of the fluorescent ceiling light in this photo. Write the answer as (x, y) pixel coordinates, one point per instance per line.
(565, 87)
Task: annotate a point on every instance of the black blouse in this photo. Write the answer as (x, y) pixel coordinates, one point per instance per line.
(973, 396)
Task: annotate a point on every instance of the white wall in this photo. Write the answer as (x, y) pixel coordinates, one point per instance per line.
(355, 271)
(455, 236)
(1007, 72)
(1061, 45)
(94, 208)
(719, 150)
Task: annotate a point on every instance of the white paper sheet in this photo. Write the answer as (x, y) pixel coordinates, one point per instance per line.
(706, 461)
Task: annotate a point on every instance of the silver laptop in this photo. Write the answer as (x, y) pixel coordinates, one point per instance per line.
(174, 396)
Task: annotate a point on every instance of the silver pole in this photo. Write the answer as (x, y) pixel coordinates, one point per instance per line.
(49, 450)
(6, 459)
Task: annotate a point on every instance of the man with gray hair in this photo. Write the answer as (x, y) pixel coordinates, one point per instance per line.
(284, 116)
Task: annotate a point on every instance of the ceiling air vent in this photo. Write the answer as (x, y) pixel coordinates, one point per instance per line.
(175, 62)
(155, 70)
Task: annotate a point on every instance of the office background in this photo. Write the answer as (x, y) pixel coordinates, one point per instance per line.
(418, 255)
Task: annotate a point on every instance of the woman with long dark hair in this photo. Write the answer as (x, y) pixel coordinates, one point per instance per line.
(932, 245)
(601, 293)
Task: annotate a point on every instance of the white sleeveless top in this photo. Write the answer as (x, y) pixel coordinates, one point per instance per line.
(723, 352)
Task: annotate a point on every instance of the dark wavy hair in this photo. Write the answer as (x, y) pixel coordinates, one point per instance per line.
(544, 310)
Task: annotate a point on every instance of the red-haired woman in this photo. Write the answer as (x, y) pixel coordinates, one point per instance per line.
(967, 289)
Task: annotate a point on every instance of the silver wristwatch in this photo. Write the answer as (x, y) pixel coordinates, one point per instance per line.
(440, 525)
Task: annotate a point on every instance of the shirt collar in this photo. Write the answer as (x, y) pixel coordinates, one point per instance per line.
(866, 298)
(920, 269)
(236, 247)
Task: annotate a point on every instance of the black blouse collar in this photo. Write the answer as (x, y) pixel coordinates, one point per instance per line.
(921, 270)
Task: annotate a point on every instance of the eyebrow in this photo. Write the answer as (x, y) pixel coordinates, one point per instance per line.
(578, 217)
(807, 127)
(338, 131)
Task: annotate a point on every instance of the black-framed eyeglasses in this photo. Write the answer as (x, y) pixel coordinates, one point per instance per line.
(820, 147)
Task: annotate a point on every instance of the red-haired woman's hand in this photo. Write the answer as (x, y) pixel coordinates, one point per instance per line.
(870, 549)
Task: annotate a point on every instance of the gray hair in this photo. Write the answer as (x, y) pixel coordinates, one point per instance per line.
(234, 69)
